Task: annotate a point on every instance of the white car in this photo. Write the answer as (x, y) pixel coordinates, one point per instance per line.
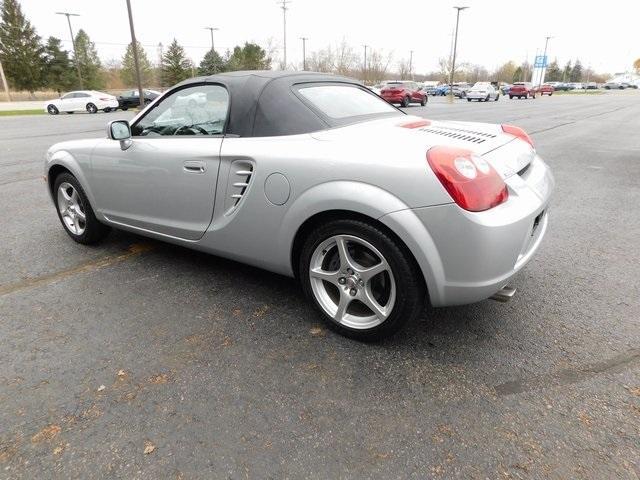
(82, 101)
(483, 92)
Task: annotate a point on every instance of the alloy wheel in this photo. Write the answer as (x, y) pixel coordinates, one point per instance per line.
(71, 209)
(352, 282)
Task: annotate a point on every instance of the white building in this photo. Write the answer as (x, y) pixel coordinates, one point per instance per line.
(627, 77)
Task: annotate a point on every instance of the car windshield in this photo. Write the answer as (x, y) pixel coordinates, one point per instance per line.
(341, 102)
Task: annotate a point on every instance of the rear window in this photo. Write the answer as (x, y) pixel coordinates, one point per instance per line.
(341, 102)
(395, 85)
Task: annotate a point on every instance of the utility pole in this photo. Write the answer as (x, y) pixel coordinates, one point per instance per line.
(364, 65)
(4, 83)
(411, 64)
(211, 29)
(455, 48)
(134, 43)
(160, 55)
(73, 42)
(304, 52)
(544, 58)
(284, 5)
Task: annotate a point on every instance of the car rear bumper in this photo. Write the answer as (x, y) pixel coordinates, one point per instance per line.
(468, 256)
(394, 98)
(101, 104)
(477, 95)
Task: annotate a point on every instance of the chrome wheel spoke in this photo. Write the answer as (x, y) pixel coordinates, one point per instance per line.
(343, 252)
(371, 303)
(345, 300)
(368, 273)
(325, 275)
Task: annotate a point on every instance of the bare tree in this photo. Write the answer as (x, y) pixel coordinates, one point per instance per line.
(377, 66)
(404, 69)
(345, 59)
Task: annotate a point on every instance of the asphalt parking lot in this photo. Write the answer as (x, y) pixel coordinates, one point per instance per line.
(219, 370)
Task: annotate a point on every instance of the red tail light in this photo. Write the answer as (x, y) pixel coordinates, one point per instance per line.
(470, 180)
(105, 99)
(517, 132)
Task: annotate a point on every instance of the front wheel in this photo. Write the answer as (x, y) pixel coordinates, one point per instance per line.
(510, 97)
(52, 110)
(75, 212)
(364, 283)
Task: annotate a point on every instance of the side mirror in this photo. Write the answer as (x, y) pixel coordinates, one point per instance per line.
(121, 131)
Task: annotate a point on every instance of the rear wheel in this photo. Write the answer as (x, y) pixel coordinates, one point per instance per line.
(468, 99)
(365, 284)
(52, 110)
(405, 102)
(423, 102)
(91, 108)
(75, 212)
(107, 110)
(497, 97)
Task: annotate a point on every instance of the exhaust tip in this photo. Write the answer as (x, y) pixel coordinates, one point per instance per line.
(503, 295)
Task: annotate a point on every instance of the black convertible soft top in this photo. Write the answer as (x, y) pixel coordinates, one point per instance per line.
(263, 103)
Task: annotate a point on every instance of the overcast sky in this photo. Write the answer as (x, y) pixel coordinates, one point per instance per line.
(602, 34)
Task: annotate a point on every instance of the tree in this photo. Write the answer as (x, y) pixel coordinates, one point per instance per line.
(249, 57)
(175, 65)
(566, 72)
(128, 72)
(404, 72)
(576, 72)
(553, 73)
(211, 64)
(505, 72)
(517, 75)
(21, 53)
(60, 75)
(90, 66)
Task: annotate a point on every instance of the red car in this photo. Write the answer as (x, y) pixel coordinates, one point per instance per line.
(403, 93)
(546, 89)
(522, 90)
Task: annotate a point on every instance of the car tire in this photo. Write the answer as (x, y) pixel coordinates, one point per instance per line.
(91, 108)
(497, 97)
(124, 109)
(406, 101)
(510, 97)
(71, 113)
(71, 205)
(423, 102)
(468, 99)
(106, 110)
(399, 283)
(52, 110)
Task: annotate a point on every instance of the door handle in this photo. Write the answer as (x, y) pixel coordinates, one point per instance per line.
(194, 166)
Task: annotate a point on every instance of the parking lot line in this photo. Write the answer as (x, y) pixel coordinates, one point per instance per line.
(133, 250)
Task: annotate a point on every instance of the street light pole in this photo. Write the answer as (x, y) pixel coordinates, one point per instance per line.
(411, 64)
(73, 42)
(284, 5)
(304, 52)
(211, 29)
(134, 43)
(455, 48)
(544, 59)
(364, 65)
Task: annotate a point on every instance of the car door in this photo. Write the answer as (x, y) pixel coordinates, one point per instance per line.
(165, 180)
(67, 102)
(81, 100)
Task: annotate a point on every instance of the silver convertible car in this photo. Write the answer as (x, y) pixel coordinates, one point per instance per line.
(310, 175)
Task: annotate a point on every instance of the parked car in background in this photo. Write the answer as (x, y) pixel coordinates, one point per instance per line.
(613, 86)
(505, 88)
(576, 86)
(546, 89)
(131, 98)
(89, 101)
(403, 93)
(561, 87)
(629, 85)
(374, 88)
(522, 90)
(429, 89)
(483, 92)
(591, 86)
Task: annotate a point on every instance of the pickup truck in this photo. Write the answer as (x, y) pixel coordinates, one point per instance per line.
(522, 90)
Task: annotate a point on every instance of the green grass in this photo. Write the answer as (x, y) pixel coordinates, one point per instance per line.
(13, 113)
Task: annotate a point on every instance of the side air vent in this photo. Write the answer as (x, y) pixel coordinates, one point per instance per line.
(239, 181)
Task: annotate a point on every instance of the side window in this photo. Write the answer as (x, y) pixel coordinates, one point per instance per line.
(198, 110)
(82, 95)
(67, 96)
